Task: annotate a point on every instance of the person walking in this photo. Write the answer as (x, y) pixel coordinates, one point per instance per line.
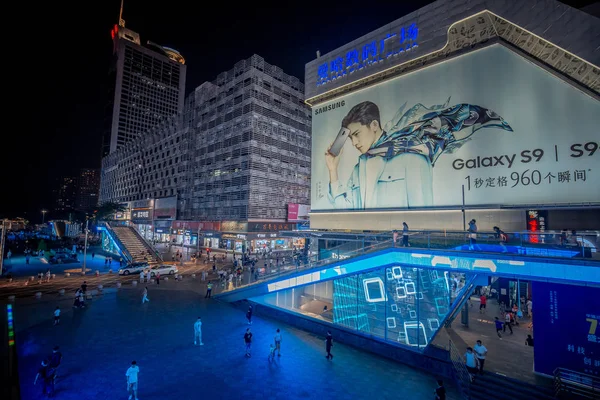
(209, 287)
(54, 362)
(248, 342)
(499, 326)
(132, 380)
(45, 374)
(507, 323)
(277, 339)
(482, 304)
(471, 362)
(249, 315)
(329, 345)
(472, 234)
(440, 391)
(405, 234)
(198, 332)
(480, 352)
(145, 295)
(57, 315)
(158, 278)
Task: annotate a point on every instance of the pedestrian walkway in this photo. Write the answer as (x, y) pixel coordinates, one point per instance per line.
(508, 355)
(98, 344)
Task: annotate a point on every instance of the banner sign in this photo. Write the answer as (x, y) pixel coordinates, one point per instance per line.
(491, 122)
(567, 335)
(298, 212)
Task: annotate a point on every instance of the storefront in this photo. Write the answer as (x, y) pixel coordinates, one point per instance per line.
(264, 236)
(142, 219)
(234, 241)
(210, 240)
(162, 231)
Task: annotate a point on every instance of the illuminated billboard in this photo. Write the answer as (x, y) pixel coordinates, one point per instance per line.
(489, 122)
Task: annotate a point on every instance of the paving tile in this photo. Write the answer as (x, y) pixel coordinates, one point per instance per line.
(99, 343)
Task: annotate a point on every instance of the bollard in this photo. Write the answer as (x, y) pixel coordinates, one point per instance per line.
(11, 298)
(31, 278)
(38, 295)
(134, 283)
(67, 274)
(193, 275)
(100, 287)
(110, 271)
(88, 295)
(118, 284)
(179, 277)
(53, 276)
(10, 280)
(166, 278)
(97, 273)
(61, 292)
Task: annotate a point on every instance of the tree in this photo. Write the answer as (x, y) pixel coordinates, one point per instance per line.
(107, 210)
(42, 245)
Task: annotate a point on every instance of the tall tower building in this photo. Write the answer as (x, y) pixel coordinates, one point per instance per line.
(147, 85)
(88, 186)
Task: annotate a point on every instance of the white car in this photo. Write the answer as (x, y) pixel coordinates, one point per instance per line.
(163, 269)
(134, 268)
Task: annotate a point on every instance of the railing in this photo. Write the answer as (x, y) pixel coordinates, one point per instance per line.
(459, 369)
(115, 237)
(527, 243)
(148, 245)
(310, 262)
(572, 384)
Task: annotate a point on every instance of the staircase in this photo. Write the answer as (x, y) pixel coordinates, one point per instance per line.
(135, 245)
(498, 387)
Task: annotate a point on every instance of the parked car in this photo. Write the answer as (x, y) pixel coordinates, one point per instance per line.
(163, 269)
(134, 268)
(63, 258)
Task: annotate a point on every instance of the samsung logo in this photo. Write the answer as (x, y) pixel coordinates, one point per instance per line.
(330, 107)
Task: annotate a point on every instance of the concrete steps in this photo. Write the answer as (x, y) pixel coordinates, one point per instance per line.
(498, 387)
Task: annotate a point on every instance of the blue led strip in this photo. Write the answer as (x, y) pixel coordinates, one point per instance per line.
(11, 331)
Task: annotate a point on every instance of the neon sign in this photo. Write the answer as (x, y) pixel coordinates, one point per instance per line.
(371, 53)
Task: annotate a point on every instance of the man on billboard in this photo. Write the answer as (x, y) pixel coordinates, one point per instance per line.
(394, 169)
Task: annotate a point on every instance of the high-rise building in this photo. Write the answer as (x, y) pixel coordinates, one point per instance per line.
(147, 85)
(65, 194)
(237, 156)
(88, 185)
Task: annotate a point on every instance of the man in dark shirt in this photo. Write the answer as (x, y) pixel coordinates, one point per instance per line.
(55, 360)
(47, 377)
(328, 345)
(248, 341)
(440, 391)
(84, 287)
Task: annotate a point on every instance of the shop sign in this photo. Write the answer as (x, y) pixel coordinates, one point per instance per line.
(141, 214)
(234, 226)
(234, 236)
(270, 226)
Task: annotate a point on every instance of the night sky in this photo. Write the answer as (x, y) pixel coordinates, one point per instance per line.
(65, 52)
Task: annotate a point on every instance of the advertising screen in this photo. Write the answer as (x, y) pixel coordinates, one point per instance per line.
(298, 212)
(566, 332)
(490, 121)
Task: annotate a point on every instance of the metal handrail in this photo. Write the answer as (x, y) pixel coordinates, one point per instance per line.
(576, 383)
(283, 271)
(149, 246)
(115, 237)
(459, 369)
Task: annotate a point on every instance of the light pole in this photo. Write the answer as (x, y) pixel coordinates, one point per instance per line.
(4, 224)
(87, 220)
(44, 215)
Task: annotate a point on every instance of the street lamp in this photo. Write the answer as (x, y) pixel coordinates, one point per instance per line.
(87, 220)
(44, 215)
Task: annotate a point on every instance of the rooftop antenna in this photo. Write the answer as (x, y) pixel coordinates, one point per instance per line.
(121, 20)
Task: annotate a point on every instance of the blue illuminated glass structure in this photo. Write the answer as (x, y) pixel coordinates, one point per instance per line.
(402, 304)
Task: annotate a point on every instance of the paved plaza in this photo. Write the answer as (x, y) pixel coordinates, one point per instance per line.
(99, 342)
